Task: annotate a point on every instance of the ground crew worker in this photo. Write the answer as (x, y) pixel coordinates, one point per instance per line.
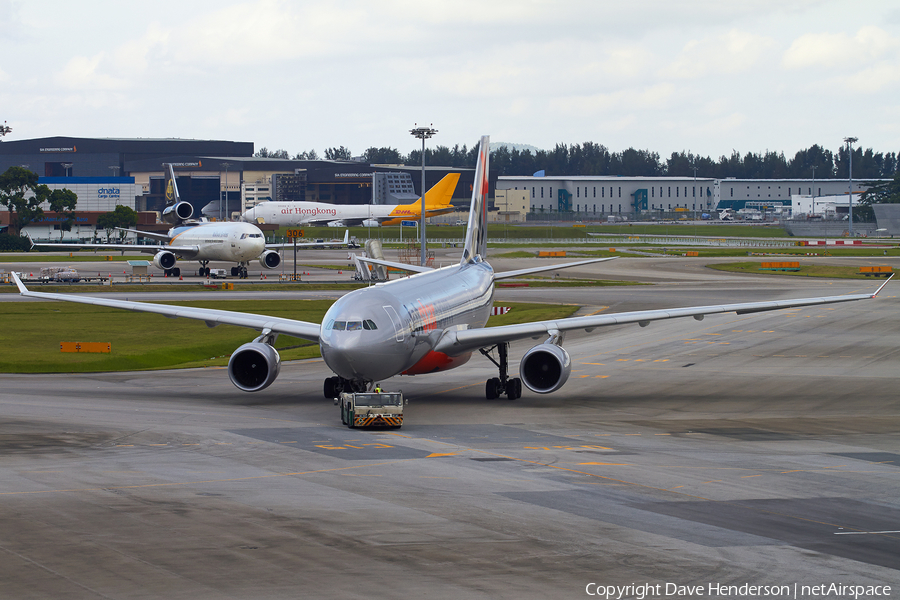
(377, 388)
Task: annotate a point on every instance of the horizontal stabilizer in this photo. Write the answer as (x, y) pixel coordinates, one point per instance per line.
(530, 270)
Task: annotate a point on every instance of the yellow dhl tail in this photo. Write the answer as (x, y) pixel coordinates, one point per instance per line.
(437, 201)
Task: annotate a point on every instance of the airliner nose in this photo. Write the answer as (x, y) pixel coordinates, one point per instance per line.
(360, 355)
(343, 355)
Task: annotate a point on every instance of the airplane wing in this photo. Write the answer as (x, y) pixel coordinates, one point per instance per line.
(162, 237)
(461, 341)
(186, 252)
(395, 265)
(316, 244)
(212, 317)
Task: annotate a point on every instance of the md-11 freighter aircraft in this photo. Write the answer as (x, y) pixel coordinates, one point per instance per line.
(202, 241)
(431, 321)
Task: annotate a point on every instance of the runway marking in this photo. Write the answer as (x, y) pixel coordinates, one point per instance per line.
(589, 447)
(595, 364)
(864, 532)
(439, 454)
(287, 442)
(607, 464)
(746, 476)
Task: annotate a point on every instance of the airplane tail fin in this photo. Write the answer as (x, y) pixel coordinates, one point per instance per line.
(176, 211)
(172, 195)
(476, 232)
(441, 193)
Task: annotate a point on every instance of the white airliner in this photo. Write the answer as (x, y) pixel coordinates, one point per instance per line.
(289, 214)
(202, 241)
(432, 321)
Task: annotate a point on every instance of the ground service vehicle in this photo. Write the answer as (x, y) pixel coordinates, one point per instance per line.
(371, 409)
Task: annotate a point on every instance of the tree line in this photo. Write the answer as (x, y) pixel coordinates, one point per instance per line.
(595, 159)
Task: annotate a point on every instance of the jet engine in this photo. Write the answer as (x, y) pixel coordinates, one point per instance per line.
(164, 260)
(178, 212)
(545, 368)
(254, 366)
(270, 259)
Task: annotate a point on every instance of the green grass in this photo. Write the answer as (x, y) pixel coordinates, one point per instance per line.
(29, 343)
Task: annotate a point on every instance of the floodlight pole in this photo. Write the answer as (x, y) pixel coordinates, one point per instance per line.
(225, 217)
(423, 133)
(850, 141)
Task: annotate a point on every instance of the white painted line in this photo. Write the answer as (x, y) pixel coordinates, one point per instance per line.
(863, 532)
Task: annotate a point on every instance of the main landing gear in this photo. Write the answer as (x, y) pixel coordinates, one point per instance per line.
(498, 386)
(204, 268)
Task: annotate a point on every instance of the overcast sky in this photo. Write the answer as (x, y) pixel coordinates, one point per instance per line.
(706, 76)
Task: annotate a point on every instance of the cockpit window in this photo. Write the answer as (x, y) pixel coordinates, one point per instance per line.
(351, 325)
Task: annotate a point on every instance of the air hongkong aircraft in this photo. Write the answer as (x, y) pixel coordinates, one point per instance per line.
(431, 321)
(202, 241)
(437, 202)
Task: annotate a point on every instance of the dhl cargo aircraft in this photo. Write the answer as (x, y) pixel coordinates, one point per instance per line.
(437, 202)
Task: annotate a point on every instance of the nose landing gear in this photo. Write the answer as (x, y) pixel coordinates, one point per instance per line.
(498, 386)
(335, 385)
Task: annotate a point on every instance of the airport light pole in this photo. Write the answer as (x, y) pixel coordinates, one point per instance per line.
(226, 165)
(695, 191)
(850, 141)
(422, 133)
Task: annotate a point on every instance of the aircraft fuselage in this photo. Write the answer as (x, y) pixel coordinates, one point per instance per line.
(408, 315)
(230, 242)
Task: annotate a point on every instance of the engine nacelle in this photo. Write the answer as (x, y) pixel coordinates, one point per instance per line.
(254, 366)
(545, 368)
(178, 212)
(270, 259)
(164, 260)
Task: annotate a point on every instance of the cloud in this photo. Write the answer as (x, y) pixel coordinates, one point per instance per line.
(838, 50)
(83, 73)
(729, 53)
